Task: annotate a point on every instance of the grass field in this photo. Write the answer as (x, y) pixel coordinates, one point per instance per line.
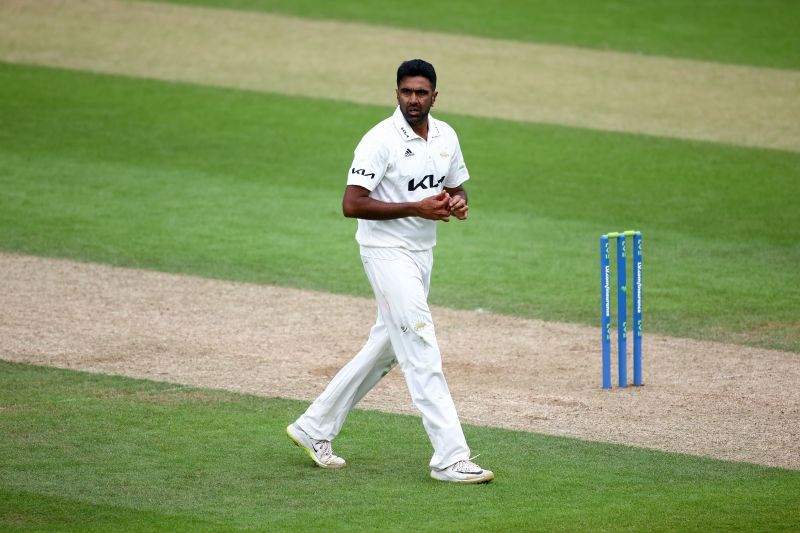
(739, 31)
(219, 183)
(246, 186)
(138, 455)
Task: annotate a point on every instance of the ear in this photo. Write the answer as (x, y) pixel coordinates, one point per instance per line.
(397, 94)
(433, 98)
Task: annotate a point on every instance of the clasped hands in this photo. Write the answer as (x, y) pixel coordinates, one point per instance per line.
(443, 206)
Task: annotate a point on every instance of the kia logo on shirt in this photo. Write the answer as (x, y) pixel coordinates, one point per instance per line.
(363, 172)
(421, 184)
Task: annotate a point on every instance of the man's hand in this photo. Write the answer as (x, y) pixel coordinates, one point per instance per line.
(459, 207)
(435, 207)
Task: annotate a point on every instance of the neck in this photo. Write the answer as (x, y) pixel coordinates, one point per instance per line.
(421, 129)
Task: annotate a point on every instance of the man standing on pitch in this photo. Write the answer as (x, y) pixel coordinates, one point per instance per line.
(407, 174)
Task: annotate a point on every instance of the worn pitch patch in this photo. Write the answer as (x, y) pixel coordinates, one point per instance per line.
(719, 400)
(612, 91)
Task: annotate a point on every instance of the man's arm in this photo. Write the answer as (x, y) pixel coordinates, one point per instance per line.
(458, 202)
(358, 204)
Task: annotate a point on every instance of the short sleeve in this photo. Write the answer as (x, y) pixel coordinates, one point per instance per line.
(458, 172)
(370, 161)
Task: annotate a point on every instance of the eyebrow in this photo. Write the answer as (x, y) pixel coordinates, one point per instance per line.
(409, 90)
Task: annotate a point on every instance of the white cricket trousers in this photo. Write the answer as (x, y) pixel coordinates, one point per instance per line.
(403, 333)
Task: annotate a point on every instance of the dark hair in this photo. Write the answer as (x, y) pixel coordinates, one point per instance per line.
(416, 67)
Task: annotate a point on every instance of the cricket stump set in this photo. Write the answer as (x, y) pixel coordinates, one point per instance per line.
(622, 307)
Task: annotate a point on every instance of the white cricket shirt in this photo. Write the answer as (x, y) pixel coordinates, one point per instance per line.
(397, 165)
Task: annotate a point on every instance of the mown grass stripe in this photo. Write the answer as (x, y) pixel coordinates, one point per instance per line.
(744, 32)
(135, 454)
(532, 83)
(216, 182)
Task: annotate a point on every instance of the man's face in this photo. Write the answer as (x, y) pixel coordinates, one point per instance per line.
(416, 96)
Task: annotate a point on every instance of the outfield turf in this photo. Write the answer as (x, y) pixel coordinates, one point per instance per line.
(247, 186)
(83, 451)
(750, 32)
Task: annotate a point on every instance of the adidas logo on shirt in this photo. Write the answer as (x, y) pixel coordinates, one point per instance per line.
(409, 153)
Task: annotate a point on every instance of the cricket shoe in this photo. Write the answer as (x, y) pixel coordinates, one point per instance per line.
(464, 471)
(320, 451)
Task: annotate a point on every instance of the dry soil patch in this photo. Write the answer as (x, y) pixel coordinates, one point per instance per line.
(711, 399)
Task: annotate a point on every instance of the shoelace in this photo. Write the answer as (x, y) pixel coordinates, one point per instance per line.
(466, 466)
(324, 447)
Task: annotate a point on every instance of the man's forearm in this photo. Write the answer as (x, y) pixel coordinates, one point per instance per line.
(358, 204)
(372, 209)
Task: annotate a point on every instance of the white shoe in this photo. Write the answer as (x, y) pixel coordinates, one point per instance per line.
(320, 451)
(464, 471)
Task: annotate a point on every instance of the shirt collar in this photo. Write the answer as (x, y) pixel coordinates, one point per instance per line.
(406, 132)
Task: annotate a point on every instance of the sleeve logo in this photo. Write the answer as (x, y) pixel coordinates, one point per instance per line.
(363, 172)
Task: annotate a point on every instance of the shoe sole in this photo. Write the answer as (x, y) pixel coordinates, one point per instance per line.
(308, 451)
(476, 481)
